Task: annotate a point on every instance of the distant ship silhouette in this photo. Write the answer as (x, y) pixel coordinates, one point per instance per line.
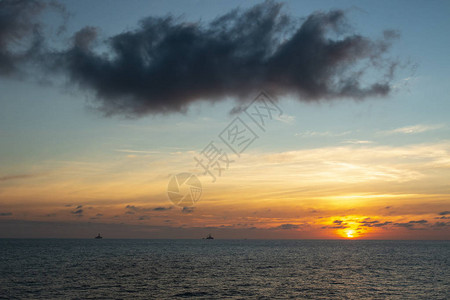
(209, 237)
(98, 237)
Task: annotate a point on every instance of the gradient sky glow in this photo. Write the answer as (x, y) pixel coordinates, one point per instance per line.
(378, 168)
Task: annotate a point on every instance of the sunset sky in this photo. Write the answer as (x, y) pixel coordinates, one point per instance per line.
(87, 150)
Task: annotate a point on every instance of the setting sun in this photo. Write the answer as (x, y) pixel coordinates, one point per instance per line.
(350, 233)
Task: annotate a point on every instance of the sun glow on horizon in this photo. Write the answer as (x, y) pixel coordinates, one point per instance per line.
(350, 233)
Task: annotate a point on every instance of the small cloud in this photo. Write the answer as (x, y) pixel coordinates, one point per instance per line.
(309, 133)
(137, 208)
(144, 218)
(357, 142)
(335, 227)
(286, 119)
(418, 222)
(137, 151)
(288, 226)
(132, 207)
(375, 223)
(15, 177)
(410, 224)
(338, 222)
(440, 225)
(444, 213)
(5, 214)
(77, 212)
(413, 129)
(161, 208)
(187, 210)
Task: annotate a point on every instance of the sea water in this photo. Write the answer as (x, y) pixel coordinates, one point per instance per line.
(223, 269)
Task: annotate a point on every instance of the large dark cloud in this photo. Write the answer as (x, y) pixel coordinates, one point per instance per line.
(166, 64)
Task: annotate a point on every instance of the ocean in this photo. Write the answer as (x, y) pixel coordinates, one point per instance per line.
(223, 269)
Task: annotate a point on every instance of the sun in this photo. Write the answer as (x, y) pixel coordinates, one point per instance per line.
(350, 233)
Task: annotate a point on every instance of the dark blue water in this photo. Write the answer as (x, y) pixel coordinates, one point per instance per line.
(223, 269)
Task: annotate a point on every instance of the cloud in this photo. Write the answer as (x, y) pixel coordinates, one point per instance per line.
(309, 133)
(444, 213)
(337, 224)
(162, 208)
(440, 225)
(418, 222)
(17, 25)
(375, 223)
(358, 142)
(187, 210)
(165, 64)
(5, 214)
(143, 209)
(288, 226)
(413, 129)
(77, 212)
(410, 224)
(21, 33)
(14, 177)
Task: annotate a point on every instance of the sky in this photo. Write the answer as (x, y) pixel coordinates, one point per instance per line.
(103, 104)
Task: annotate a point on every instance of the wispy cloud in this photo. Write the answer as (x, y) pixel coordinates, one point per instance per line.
(15, 177)
(286, 119)
(144, 209)
(137, 151)
(310, 133)
(357, 142)
(414, 129)
(288, 226)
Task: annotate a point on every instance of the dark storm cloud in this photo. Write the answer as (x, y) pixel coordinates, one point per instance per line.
(166, 63)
